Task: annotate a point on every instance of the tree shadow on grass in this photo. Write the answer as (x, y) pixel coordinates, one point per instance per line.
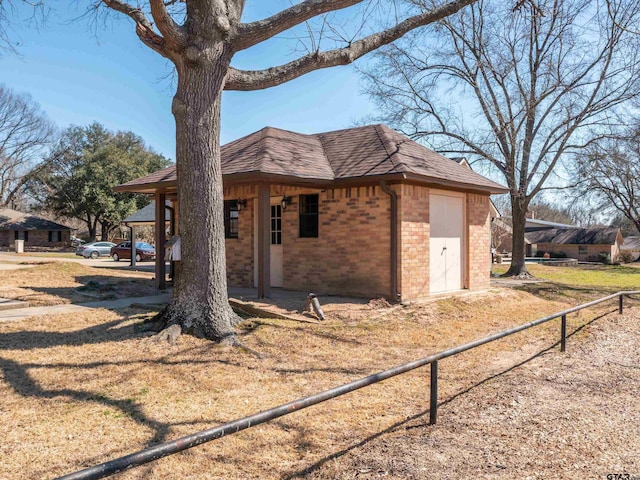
(16, 375)
(99, 287)
(113, 331)
(408, 424)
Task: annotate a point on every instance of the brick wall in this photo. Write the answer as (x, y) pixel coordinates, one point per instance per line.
(414, 232)
(573, 251)
(478, 242)
(240, 250)
(37, 238)
(351, 254)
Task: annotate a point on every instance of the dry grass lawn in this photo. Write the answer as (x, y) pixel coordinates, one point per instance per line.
(57, 283)
(80, 390)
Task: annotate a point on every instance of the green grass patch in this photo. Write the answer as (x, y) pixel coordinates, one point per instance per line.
(606, 277)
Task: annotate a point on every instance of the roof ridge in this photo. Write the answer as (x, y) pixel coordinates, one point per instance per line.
(385, 140)
(319, 136)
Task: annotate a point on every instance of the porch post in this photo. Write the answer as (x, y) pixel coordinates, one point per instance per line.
(160, 199)
(264, 240)
(133, 246)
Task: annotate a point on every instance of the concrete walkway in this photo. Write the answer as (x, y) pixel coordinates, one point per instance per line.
(284, 304)
(15, 260)
(17, 314)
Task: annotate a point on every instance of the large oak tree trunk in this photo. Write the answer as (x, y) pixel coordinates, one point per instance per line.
(519, 220)
(200, 302)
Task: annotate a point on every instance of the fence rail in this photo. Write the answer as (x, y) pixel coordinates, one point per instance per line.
(169, 448)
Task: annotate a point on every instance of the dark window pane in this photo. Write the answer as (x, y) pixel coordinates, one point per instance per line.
(59, 236)
(16, 235)
(231, 214)
(26, 236)
(50, 236)
(309, 216)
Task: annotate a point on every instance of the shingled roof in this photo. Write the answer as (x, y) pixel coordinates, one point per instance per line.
(147, 215)
(576, 236)
(631, 243)
(365, 153)
(14, 220)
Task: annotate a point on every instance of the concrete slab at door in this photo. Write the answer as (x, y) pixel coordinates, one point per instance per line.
(446, 213)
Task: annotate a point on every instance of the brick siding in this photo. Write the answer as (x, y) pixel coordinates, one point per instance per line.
(352, 252)
(573, 251)
(414, 235)
(240, 250)
(479, 241)
(37, 238)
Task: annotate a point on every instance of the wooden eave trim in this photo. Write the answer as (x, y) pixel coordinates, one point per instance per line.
(253, 178)
(149, 188)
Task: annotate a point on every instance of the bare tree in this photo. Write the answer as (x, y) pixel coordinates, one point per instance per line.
(24, 131)
(9, 14)
(608, 174)
(201, 38)
(520, 88)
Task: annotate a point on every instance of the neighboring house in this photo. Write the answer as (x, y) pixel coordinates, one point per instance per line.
(632, 246)
(35, 231)
(584, 244)
(363, 211)
(503, 232)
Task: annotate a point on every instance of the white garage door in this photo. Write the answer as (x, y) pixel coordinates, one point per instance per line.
(446, 244)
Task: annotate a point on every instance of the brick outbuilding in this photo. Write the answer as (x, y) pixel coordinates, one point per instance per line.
(363, 211)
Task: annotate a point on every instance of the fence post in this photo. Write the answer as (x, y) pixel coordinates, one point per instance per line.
(433, 400)
(621, 303)
(563, 334)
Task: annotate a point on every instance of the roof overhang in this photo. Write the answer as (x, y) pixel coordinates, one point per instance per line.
(248, 178)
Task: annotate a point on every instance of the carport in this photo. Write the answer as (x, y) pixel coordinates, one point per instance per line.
(146, 217)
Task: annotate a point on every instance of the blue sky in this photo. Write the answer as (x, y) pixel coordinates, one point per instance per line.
(78, 77)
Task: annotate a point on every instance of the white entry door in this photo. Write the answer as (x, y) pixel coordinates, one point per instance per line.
(275, 252)
(446, 215)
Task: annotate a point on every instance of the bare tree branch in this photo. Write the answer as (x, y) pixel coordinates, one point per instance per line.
(524, 90)
(172, 32)
(144, 27)
(260, 79)
(250, 34)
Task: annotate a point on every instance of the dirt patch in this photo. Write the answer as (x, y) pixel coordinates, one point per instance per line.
(572, 415)
(79, 390)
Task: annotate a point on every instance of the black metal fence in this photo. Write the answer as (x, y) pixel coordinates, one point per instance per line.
(169, 448)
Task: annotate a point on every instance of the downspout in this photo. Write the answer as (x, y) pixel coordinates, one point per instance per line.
(395, 294)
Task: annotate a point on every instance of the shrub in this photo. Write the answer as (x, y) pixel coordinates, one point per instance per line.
(558, 255)
(539, 254)
(604, 257)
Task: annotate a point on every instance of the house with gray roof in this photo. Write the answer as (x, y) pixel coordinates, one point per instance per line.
(631, 245)
(361, 211)
(585, 244)
(34, 230)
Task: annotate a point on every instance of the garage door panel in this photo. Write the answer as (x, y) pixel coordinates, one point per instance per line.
(446, 242)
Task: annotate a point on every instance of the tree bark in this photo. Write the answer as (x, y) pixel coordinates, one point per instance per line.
(519, 220)
(200, 303)
(105, 228)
